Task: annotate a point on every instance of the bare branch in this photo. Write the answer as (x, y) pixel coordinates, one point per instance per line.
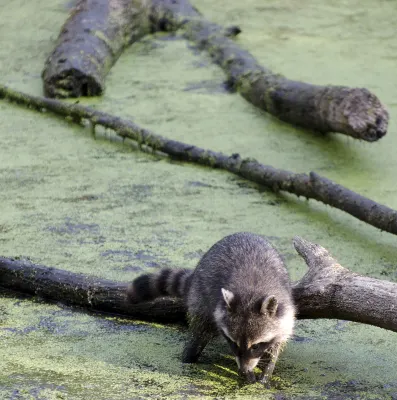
(97, 32)
(311, 186)
(352, 111)
(88, 292)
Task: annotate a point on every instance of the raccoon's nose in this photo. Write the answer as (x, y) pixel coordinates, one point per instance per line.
(249, 376)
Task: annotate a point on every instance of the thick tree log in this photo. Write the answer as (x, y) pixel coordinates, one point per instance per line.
(326, 291)
(90, 293)
(352, 111)
(311, 186)
(90, 42)
(330, 291)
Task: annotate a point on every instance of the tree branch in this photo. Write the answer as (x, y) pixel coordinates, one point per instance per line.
(326, 291)
(352, 111)
(311, 186)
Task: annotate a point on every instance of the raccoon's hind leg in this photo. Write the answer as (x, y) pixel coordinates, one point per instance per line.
(267, 364)
(201, 332)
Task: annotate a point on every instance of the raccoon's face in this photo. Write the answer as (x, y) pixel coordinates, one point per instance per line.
(250, 328)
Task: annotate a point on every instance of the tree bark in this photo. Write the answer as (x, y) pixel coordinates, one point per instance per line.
(330, 291)
(352, 111)
(311, 186)
(90, 42)
(326, 291)
(90, 293)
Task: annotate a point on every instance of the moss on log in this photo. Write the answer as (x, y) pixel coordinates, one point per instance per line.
(90, 42)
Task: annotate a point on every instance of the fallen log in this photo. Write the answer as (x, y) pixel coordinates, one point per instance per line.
(351, 111)
(329, 290)
(98, 31)
(90, 42)
(326, 291)
(311, 186)
(87, 292)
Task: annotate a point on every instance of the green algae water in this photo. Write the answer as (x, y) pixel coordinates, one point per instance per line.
(99, 207)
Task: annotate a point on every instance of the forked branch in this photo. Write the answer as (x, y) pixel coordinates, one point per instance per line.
(329, 290)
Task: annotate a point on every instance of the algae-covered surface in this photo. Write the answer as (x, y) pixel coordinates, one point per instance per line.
(102, 208)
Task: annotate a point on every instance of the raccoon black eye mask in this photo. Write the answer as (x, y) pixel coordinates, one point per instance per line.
(239, 289)
(256, 350)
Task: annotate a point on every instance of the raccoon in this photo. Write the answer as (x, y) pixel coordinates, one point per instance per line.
(240, 289)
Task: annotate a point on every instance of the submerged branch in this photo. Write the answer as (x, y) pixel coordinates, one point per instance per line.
(326, 291)
(311, 186)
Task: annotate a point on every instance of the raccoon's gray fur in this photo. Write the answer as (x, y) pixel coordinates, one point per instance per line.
(240, 289)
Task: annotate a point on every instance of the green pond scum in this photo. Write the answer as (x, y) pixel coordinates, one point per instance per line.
(103, 208)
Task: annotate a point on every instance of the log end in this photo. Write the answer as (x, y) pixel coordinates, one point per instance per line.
(366, 115)
(356, 112)
(72, 83)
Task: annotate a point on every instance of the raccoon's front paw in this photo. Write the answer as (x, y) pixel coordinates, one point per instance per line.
(189, 356)
(264, 379)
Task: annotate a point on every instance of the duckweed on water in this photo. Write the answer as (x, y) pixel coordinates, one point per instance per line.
(101, 208)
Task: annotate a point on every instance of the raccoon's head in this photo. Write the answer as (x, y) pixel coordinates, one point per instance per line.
(251, 325)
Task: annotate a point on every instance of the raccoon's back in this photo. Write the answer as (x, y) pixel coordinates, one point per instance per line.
(240, 262)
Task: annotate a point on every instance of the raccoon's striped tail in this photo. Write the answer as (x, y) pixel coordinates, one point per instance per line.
(167, 282)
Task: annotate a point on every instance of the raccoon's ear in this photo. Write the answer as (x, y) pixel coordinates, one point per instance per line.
(269, 306)
(228, 296)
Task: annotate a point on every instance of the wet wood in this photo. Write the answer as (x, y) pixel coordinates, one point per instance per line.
(87, 292)
(326, 291)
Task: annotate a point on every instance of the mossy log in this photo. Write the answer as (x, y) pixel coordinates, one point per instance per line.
(326, 291)
(311, 186)
(90, 42)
